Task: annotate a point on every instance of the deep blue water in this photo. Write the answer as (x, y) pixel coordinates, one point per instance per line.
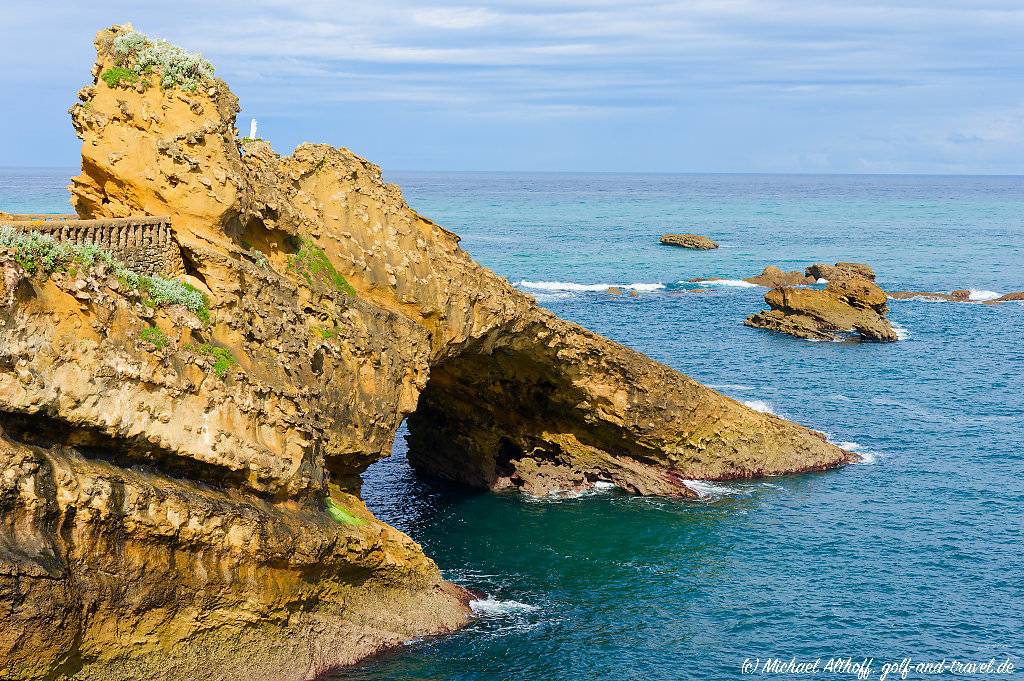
(915, 553)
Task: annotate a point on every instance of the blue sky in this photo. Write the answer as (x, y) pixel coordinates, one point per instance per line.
(706, 86)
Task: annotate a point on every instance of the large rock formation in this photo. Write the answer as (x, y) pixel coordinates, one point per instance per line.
(180, 479)
(851, 303)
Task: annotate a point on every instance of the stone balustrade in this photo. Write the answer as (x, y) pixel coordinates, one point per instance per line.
(145, 244)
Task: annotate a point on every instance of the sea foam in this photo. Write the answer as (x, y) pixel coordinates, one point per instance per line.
(571, 286)
(492, 606)
(730, 386)
(738, 283)
(709, 490)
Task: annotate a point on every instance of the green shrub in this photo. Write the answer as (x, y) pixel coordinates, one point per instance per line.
(175, 65)
(42, 254)
(340, 515)
(117, 75)
(223, 360)
(156, 336)
(313, 265)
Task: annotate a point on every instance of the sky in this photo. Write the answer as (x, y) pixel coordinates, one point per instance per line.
(794, 86)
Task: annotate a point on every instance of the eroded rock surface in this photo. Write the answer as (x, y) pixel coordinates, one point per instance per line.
(850, 303)
(692, 241)
(179, 492)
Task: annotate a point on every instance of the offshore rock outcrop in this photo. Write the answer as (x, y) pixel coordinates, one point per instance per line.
(850, 303)
(180, 491)
(691, 241)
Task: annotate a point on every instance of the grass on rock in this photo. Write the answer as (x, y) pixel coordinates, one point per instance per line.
(118, 75)
(340, 515)
(223, 360)
(155, 336)
(313, 265)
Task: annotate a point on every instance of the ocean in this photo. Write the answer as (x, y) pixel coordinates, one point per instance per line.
(913, 553)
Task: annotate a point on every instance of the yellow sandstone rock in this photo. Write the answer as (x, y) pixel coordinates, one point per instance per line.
(180, 489)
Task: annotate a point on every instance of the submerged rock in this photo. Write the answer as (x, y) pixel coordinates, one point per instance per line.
(851, 303)
(182, 466)
(614, 291)
(693, 241)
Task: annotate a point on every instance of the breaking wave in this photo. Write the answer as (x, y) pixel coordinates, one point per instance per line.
(761, 406)
(709, 490)
(982, 295)
(866, 456)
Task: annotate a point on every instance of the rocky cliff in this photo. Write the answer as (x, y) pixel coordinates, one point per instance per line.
(180, 459)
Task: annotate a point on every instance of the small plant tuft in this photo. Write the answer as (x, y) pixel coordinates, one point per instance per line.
(119, 75)
(223, 360)
(155, 336)
(326, 332)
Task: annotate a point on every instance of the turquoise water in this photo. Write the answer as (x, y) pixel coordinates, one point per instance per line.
(915, 553)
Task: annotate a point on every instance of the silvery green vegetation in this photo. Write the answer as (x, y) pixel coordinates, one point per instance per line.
(40, 253)
(175, 65)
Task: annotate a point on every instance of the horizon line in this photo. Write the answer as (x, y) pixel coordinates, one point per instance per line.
(633, 172)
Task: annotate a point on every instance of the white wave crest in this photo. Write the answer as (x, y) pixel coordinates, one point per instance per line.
(709, 490)
(761, 406)
(981, 295)
(821, 280)
(571, 286)
(901, 333)
(738, 283)
(858, 449)
(604, 485)
(492, 606)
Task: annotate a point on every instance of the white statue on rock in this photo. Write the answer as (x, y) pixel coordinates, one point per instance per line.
(252, 129)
